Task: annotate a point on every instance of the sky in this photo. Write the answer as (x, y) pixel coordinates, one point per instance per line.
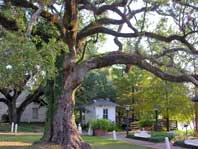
(109, 45)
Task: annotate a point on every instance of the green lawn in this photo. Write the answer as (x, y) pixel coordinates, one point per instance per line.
(23, 127)
(24, 142)
(103, 143)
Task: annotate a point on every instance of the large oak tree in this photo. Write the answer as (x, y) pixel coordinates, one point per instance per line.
(81, 21)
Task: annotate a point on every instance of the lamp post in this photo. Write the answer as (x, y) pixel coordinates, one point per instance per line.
(156, 117)
(127, 119)
(195, 100)
(185, 126)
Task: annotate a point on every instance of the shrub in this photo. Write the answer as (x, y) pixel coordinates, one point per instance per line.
(115, 127)
(104, 124)
(182, 144)
(5, 118)
(146, 123)
(155, 137)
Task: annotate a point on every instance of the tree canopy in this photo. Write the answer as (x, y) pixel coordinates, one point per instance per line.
(160, 37)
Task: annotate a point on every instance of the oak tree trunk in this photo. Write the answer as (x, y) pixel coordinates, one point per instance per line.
(62, 127)
(12, 112)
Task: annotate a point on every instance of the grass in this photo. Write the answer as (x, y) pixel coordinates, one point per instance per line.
(103, 143)
(17, 142)
(25, 142)
(23, 127)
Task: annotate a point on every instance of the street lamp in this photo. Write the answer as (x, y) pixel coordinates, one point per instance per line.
(156, 117)
(127, 119)
(185, 126)
(195, 100)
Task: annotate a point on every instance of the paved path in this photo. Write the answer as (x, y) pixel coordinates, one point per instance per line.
(121, 137)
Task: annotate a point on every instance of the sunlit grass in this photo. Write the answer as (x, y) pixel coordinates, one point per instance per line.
(21, 138)
(104, 143)
(16, 143)
(25, 142)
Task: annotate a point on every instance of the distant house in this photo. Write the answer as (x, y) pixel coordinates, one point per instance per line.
(32, 113)
(100, 109)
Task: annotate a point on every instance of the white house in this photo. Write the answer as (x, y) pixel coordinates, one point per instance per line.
(100, 109)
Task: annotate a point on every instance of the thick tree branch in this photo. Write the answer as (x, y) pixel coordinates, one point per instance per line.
(45, 14)
(4, 101)
(159, 37)
(30, 98)
(169, 51)
(98, 11)
(135, 59)
(34, 19)
(125, 19)
(36, 15)
(70, 23)
(6, 93)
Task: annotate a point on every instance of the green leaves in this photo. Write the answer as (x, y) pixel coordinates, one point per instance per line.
(143, 91)
(95, 85)
(21, 55)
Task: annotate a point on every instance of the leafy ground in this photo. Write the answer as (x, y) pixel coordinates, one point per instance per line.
(25, 142)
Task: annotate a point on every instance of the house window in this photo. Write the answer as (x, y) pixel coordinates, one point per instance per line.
(105, 113)
(34, 113)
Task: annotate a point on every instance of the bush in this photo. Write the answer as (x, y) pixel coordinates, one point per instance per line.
(5, 118)
(146, 123)
(104, 124)
(115, 127)
(155, 137)
(182, 144)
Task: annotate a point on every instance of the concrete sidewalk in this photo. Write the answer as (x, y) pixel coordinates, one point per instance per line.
(122, 137)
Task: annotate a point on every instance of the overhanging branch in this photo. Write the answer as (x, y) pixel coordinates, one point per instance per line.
(159, 37)
(4, 101)
(6, 93)
(112, 58)
(30, 98)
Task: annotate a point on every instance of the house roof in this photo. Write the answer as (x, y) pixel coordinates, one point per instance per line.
(103, 102)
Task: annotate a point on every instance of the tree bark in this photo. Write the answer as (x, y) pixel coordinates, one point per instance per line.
(49, 93)
(12, 112)
(62, 127)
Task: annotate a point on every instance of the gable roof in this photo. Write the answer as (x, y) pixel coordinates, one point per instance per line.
(103, 102)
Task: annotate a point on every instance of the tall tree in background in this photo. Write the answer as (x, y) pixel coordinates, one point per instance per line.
(143, 92)
(170, 98)
(82, 21)
(95, 85)
(20, 76)
(128, 87)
